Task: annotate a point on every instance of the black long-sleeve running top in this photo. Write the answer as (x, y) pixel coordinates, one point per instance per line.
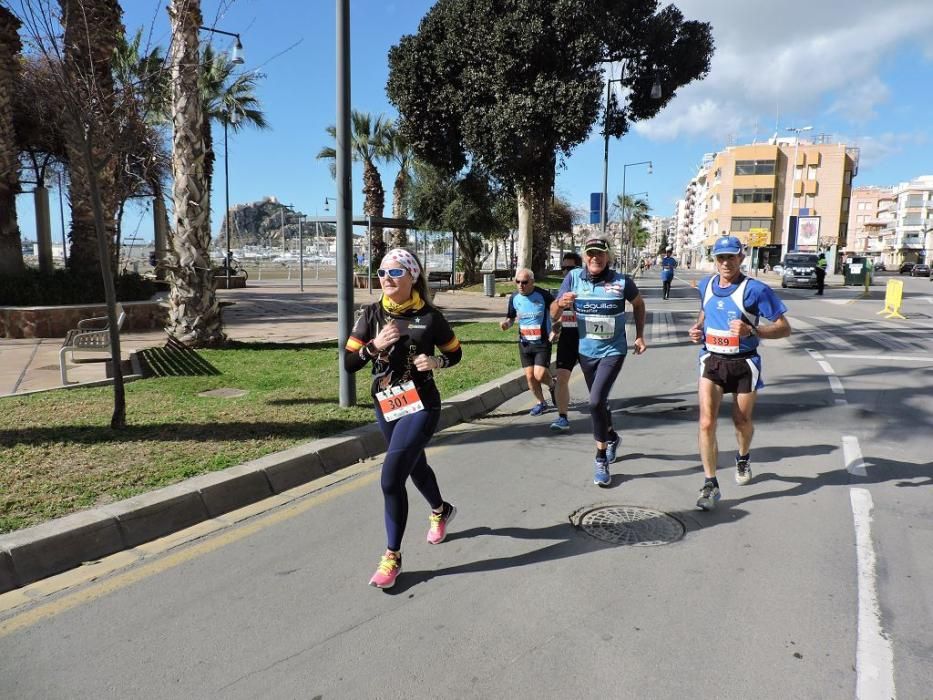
(422, 331)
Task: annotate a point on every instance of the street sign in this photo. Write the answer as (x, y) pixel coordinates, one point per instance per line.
(758, 237)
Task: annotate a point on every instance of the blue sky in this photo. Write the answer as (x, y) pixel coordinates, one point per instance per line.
(860, 75)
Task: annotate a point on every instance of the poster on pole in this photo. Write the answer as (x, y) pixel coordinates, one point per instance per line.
(808, 232)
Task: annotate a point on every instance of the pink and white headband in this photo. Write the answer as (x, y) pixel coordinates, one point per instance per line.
(405, 259)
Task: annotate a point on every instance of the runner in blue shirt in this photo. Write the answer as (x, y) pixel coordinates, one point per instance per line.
(597, 294)
(531, 306)
(728, 326)
(668, 265)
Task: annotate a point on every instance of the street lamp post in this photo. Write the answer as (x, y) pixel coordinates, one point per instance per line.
(232, 117)
(793, 180)
(656, 93)
(236, 53)
(624, 169)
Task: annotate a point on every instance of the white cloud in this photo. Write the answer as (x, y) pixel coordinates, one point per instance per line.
(789, 59)
(876, 150)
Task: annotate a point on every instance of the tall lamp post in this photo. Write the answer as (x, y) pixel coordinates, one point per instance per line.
(656, 93)
(797, 130)
(236, 53)
(232, 117)
(624, 169)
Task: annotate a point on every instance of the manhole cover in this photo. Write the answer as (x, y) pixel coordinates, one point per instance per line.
(224, 393)
(630, 525)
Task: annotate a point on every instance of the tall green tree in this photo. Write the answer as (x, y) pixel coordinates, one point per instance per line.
(465, 205)
(368, 144)
(514, 87)
(11, 251)
(396, 150)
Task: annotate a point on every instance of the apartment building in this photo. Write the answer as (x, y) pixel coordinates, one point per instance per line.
(872, 214)
(913, 228)
(797, 192)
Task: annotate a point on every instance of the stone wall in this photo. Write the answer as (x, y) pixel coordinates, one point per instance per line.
(56, 321)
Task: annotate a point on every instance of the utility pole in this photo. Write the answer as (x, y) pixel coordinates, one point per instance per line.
(344, 204)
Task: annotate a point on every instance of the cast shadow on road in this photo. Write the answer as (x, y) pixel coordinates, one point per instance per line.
(878, 471)
(571, 542)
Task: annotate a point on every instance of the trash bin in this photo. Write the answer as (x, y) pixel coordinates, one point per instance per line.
(855, 271)
(489, 284)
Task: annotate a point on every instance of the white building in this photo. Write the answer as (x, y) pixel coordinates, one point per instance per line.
(913, 229)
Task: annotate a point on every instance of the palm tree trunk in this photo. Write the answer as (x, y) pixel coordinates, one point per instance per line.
(399, 236)
(11, 251)
(374, 205)
(194, 314)
(91, 30)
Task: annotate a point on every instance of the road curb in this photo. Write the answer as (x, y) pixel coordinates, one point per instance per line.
(64, 543)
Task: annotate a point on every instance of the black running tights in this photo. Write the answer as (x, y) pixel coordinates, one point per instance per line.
(406, 439)
(600, 374)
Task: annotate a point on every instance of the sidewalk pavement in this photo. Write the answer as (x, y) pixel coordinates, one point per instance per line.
(272, 312)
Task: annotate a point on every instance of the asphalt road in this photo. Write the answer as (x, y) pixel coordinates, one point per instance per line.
(814, 581)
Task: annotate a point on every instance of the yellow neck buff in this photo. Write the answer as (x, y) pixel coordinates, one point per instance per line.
(414, 304)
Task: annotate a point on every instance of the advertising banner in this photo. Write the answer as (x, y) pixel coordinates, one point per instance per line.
(808, 232)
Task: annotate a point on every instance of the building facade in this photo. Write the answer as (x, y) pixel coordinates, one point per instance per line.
(794, 194)
(913, 229)
(872, 215)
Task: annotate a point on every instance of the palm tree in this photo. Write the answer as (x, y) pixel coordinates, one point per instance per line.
(396, 149)
(194, 314)
(633, 212)
(91, 31)
(11, 251)
(367, 144)
(222, 93)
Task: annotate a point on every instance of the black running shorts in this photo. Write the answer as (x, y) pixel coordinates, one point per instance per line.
(568, 349)
(736, 375)
(535, 355)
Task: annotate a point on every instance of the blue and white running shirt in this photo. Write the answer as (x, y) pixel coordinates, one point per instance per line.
(748, 300)
(600, 309)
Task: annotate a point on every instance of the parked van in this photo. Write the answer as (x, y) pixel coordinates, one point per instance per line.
(799, 270)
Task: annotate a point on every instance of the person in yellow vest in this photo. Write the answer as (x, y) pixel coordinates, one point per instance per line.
(820, 273)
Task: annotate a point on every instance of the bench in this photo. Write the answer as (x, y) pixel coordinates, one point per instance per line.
(437, 280)
(91, 335)
(502, 274)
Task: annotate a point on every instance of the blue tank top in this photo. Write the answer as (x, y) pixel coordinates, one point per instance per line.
(600, 311)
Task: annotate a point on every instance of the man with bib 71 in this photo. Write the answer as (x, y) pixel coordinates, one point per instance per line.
(598, 295)
(728, 326)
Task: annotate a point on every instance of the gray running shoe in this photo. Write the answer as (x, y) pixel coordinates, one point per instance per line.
(709, 494)
(743, 471)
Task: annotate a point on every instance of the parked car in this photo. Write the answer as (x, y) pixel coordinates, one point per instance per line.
(799, 270)
(905, 268)
(920, 270)
(879, 266)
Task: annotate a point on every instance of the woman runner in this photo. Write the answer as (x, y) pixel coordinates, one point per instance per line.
(398, 334)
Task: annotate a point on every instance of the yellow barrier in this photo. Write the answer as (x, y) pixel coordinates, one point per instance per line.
(892, 299)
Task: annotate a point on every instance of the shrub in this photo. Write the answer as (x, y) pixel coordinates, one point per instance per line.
(63, 287)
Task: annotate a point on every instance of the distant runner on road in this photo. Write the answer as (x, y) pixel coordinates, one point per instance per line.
(597, 294)
(728, 326)
(398, 334)
(668, 265)
(530, 305)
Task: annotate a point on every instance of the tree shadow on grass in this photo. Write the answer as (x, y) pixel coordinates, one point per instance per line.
(178, 432)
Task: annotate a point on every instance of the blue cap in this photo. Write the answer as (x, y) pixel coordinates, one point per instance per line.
(727, 245)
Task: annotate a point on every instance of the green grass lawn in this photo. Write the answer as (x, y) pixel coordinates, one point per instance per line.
(58, 453)
(508, 286)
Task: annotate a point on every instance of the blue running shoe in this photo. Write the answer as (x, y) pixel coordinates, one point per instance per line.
(601, 476)
(561, 425)
(538, 410)
(611, 448)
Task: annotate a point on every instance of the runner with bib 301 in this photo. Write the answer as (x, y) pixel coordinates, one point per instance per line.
(598, 295)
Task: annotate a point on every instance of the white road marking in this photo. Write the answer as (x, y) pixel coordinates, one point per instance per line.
(835, 384)
(825, 366)
(842, 402)
(852, 454)
(874, 655)
(884, 358)
(815, 354)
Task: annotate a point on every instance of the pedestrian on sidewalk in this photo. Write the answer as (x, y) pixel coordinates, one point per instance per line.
(598, 294)
(399, 335)
(668, 265)
(728, 326)
(530, 305)
(820, 271)
(568, 348)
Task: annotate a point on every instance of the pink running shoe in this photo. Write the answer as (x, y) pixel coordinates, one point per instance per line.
(438, 523)
(389, 567)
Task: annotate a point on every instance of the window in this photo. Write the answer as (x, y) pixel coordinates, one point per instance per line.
(754, 167)
(847, 178)
(914, 201)
(798, 172)
(753, 196)
(862, 206)
(746, 224)
(845, 204)
(811, 172)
